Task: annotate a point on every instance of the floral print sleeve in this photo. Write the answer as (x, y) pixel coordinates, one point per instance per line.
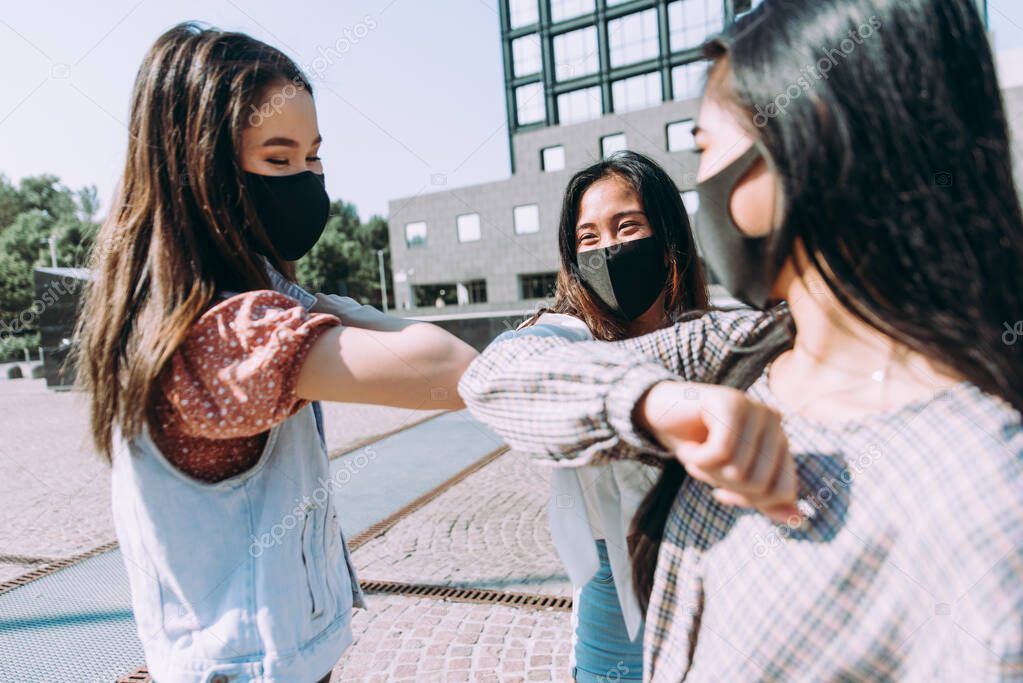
(233, 379)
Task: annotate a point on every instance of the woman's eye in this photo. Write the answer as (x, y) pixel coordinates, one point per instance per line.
(629, 226)
(278, 162)
(312, 158)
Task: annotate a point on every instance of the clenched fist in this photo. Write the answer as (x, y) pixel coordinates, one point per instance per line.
(724, 438)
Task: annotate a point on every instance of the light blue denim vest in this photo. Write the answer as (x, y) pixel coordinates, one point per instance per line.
(248, 579)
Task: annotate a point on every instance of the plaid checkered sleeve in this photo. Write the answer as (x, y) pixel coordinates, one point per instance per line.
(907, 566)
(572, 402)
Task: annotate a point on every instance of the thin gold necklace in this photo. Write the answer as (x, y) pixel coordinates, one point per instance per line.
(878, 377)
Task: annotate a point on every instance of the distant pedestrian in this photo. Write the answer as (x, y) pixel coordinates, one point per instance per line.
(628, 267)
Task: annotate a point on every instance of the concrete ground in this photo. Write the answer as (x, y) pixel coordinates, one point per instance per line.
(55, 489)
(487, 531)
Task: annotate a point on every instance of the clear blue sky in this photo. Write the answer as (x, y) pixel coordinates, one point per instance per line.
(418, 87)
(418, 96)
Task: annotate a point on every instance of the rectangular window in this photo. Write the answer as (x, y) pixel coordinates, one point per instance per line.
(468, 227)
(575, 53)
(526, 55)
(579, 105)
(552, 158)
(537, 285)
(633, 38)
(680, 136)
(566, 9)
(529, 107)
(472, 292)
(690, 22)
(637, 92)
(687, 80)
(609, 144)
(526, 219)
(415, 234)
(523, 12)
(439, 295)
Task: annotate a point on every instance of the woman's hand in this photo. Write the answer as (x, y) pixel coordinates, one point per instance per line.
(727, 440)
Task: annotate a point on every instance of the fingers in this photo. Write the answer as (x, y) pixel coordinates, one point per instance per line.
(758, 436)
(782, 513)
(745, 455)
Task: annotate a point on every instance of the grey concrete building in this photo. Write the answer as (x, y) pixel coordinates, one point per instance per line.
(583, 78)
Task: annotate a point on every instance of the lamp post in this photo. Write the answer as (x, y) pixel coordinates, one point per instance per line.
(383, 279)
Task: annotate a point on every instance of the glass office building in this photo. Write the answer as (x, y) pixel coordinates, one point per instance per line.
(571, 61)
(583, 79)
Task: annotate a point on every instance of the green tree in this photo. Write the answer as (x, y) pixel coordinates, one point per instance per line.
(38, 208)
(345, 258)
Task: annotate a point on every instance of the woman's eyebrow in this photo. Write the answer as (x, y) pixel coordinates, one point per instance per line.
(287, 142)
(617, 217)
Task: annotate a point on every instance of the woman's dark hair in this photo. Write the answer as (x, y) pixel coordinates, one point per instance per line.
(183, 225)
(685, 285)
(885, 124)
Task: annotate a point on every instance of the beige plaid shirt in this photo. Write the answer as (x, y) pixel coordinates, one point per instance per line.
(909, 567)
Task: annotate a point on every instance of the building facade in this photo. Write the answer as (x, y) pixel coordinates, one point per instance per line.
(583, 79)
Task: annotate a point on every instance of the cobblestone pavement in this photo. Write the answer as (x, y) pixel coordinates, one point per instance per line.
(488, 531)
(426, 640)
(55, 490)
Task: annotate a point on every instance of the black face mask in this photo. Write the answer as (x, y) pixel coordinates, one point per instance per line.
(627, 277)
(740, 261)
(292, 208)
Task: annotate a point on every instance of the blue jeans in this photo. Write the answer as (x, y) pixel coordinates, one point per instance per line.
(603, 651)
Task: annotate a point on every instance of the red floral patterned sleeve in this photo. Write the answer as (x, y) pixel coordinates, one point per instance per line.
(232, 379)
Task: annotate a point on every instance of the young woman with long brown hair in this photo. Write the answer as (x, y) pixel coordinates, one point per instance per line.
(826, 132)
(628, 267)
(204, 361)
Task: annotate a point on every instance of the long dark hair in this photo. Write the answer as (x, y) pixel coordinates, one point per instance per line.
(685, 286)
(885, 124)
(183, 226)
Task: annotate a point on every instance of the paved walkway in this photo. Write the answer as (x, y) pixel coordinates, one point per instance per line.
(55, 490)
(488, 531)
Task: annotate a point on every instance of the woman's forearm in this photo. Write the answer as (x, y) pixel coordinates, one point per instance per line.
(552, 398)
(416, 366)
(571, 401)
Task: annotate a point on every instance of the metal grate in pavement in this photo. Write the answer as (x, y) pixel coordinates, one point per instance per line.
(140, 675)
(54, 566)
(476, 595)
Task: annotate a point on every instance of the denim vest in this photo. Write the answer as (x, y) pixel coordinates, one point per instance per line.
(247, 579)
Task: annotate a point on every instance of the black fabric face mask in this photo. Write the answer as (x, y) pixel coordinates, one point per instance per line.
(740, 261)
(627, 277)
(293, 209)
